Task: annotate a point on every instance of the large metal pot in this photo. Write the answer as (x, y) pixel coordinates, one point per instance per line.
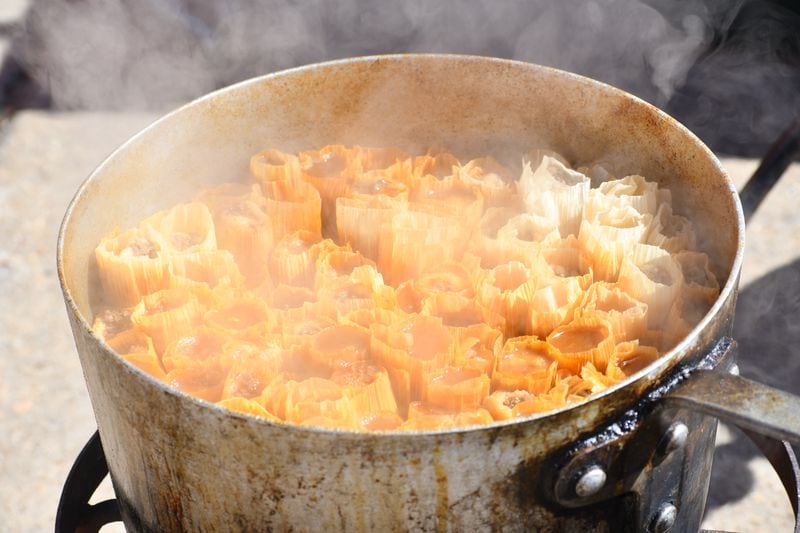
(178, 463)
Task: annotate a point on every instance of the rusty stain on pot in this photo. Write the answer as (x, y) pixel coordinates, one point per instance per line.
(184, 470)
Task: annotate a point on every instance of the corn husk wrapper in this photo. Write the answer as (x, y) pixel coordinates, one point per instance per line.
(137, 348)
(167, 315)
(554, 302)
(316, 397)
(274, 165)
(458, 313)
(410, 349)
(488, 248)
(698, 280)
(501, 403)
(450, 198)
(294, 259)
(409, 298)
(494, 180)
(456, 388)
(292, 206)
(361, 220)
(460, 277)
(379, 184)
(383, 421)
(206, 270)
(200, 347)
(476, 348)
(252, 369)
(597, 173)
(109, 323)
(299, 325)
(631, 356)
(630, 191)
(242, 317)
(330, 170)
(380, 158)
(508, 290)
(340, 345)
(287, 297)
(530, 233)
(362, 289)
(600, 380)
(241, 226)
(671, 232)
(201, 381)
(438, 164)
(589, 338)
(248, 407)
(524, 363)
(338, 264)
(183, 229)
(554, 192)
(553, 399)
(368, 388)
(417, 241)
(422, 416)
(366, 316)
(626, 314)
(606, 241)
(535, 157)
(653, 276)
(131, 265)
(564, 259)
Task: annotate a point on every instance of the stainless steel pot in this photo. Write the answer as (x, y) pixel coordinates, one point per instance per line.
(178, 463)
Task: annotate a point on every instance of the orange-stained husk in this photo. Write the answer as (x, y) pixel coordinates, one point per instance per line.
(368, 389)
(507, 290)
(456, 388)
(131, 265)
(524, 363)
(586, 339)
(292, 206)
(424, 416)
(340, 345)
(248, 407)
(501, 403)
(137, 348)
(167, 315)
(627, 315)
(241, 226)
(274, 165)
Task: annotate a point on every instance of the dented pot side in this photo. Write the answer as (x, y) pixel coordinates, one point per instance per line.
(181, 463)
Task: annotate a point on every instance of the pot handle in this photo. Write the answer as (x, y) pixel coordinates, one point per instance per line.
(742, 402)
(75, 514)
(769, 417)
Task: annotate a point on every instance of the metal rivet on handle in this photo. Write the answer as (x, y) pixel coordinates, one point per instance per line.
(676, 437)
(590, 482)
(664, 518)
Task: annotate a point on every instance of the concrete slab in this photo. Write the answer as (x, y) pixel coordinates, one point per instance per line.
(45, 416)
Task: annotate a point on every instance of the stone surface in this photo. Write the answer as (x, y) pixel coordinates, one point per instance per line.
(45, 416)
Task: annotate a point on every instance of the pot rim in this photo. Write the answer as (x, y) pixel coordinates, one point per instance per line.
(652, 371)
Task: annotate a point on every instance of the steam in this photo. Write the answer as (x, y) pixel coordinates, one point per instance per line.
(109, 54)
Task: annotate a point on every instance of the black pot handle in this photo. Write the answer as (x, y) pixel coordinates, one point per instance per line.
(75, 514)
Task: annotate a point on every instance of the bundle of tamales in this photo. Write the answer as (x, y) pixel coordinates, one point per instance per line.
(371, 289)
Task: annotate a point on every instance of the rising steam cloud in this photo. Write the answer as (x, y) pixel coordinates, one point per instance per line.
(108, 54)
